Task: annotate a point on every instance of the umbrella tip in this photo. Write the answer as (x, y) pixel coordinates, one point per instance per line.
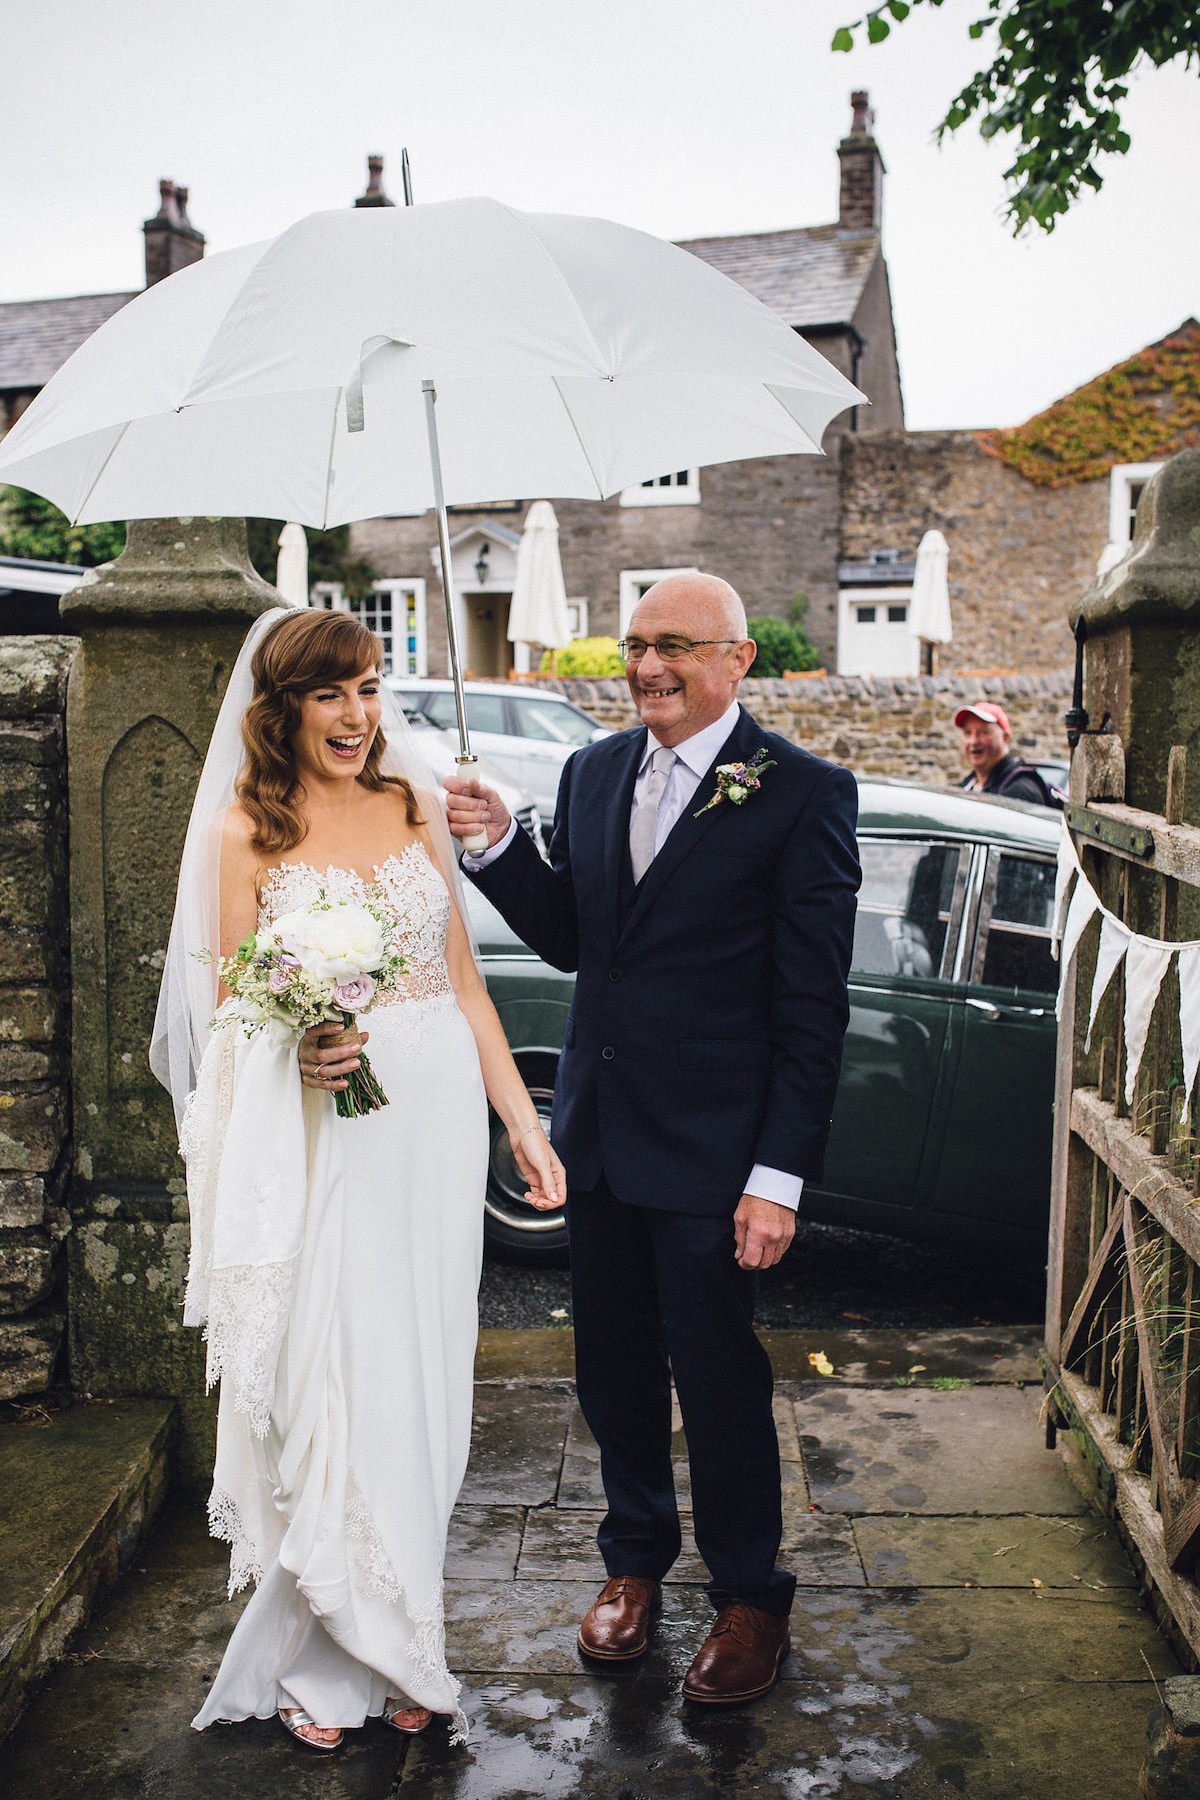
(374, 195)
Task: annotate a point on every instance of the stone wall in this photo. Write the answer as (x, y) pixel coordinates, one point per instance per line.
(886, 725)
(35, 1020)
(1019, 552)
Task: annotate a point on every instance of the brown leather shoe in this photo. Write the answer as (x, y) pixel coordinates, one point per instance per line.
(740, 1657)
(616, 1624)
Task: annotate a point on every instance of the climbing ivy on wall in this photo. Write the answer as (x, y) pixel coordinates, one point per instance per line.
(1144, 410)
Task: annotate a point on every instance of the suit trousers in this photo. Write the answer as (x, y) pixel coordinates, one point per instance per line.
(659, 1293)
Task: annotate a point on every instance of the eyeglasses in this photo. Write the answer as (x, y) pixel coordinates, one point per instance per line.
(672, 648)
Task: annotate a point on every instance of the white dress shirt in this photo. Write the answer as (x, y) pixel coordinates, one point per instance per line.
(693, 759)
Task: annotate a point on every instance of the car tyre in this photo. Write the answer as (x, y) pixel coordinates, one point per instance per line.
(512, 1230)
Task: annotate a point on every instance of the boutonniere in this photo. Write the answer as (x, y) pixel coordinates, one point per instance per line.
(737, 781)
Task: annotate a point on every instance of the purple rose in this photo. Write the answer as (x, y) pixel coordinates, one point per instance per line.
(280, 979)
(352, 995)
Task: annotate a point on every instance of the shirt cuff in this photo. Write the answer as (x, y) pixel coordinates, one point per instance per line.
(776, 1185)
(472, 864)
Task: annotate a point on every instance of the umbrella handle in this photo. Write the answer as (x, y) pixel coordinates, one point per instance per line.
(477, 842)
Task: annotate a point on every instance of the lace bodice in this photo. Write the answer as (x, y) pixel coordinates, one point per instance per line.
(409, 888)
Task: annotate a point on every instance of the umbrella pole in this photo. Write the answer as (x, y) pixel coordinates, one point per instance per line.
(477, 842)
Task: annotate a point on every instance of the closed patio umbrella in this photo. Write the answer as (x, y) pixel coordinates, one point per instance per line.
(929, 608)
(291, 568)
(538, 612)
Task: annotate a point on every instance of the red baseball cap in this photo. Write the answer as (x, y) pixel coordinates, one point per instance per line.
(985, 710)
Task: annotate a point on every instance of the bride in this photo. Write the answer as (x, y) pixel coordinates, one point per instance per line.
(335, 1262)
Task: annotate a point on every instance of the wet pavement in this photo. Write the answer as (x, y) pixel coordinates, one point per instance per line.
(964, 1625)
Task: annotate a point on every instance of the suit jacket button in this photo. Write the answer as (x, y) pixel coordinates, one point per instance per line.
(608, 1053)
(614, 974)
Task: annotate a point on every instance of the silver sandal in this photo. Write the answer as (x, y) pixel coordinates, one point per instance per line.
(393, 1708)
(295, 1719)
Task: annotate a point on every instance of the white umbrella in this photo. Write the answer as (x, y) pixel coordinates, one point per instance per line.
(291, 567)
(286, 379)
(929, 608)
(297, 379)
(538, 610)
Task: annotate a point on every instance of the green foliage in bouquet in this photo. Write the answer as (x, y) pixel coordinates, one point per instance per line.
(587, 659)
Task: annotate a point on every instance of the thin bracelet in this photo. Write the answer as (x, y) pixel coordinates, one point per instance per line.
(536, 1126)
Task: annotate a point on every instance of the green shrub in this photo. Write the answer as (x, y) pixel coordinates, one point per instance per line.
(31, 526)
(590, 658)
(780, 646)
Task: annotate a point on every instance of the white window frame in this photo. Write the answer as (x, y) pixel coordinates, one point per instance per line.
(1123, 478)
(850, 599)
(673, 493)
(402, 589)
(632, 584)
(577, 615)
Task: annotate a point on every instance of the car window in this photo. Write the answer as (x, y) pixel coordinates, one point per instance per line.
(485, 712)
(555, 724)
(904, 906)
(1016, 952)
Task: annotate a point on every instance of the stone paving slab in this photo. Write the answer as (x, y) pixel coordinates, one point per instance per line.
(969, 1450)
(484, 1542)
(516, 1447)
(999, 1553)
(630, 1741)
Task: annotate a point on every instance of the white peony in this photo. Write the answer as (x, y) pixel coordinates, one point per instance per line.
(335, 942)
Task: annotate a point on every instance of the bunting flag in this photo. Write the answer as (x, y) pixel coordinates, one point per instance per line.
(1147, 960)
(1145, 966)
(1189, 1013)
(1114, 941)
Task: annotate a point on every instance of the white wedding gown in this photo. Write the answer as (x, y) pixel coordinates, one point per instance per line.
(340, 1511)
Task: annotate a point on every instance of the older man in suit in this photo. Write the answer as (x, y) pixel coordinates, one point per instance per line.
(702, 882)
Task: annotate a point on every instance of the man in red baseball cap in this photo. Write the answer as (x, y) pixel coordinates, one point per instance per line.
(986, 734)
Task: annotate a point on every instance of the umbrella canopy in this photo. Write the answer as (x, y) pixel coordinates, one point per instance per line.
(929, 609)
(538, 611)
(291, 567)
(571, 356)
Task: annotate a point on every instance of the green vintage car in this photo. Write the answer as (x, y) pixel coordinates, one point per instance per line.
(942, 1125)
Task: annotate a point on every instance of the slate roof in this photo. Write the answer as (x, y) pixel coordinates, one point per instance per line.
(812, 275)
(37, 336)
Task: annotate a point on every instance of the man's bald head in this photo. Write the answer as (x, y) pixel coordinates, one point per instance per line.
(706, 597)
(677, 696)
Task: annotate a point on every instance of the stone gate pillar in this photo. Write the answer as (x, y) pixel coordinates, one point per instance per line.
(1143, 642)
(160, 629)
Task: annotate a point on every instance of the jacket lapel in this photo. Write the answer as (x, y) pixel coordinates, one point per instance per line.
(688, 829)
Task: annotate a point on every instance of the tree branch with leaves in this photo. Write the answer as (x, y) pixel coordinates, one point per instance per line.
(1057, 79)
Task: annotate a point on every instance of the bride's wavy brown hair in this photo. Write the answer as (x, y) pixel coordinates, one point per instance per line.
(303, 652)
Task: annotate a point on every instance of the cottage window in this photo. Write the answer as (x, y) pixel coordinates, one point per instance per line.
(681, 488)
(1127, 482)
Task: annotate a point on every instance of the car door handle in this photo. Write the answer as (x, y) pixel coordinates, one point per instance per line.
(994, 1013)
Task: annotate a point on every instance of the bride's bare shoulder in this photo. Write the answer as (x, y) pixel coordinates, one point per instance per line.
(237, 827)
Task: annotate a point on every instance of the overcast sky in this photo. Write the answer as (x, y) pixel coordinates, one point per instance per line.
(683, 117)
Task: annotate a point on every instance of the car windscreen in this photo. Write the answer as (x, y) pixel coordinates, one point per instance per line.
(554, 724)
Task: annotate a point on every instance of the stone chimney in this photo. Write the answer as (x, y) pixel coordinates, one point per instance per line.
(172, 241)
(860, 200)
(374, 195)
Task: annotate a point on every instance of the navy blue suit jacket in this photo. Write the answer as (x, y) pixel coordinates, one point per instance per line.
(706, 1030)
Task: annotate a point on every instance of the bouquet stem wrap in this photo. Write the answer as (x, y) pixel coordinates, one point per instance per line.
(363, 1093)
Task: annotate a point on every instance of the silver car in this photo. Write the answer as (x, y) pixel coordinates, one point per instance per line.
(525, 734)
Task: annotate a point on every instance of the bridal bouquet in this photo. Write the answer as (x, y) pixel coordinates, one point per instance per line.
(330, 961)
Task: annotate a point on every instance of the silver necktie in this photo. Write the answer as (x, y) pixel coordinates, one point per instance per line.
(643, 821)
